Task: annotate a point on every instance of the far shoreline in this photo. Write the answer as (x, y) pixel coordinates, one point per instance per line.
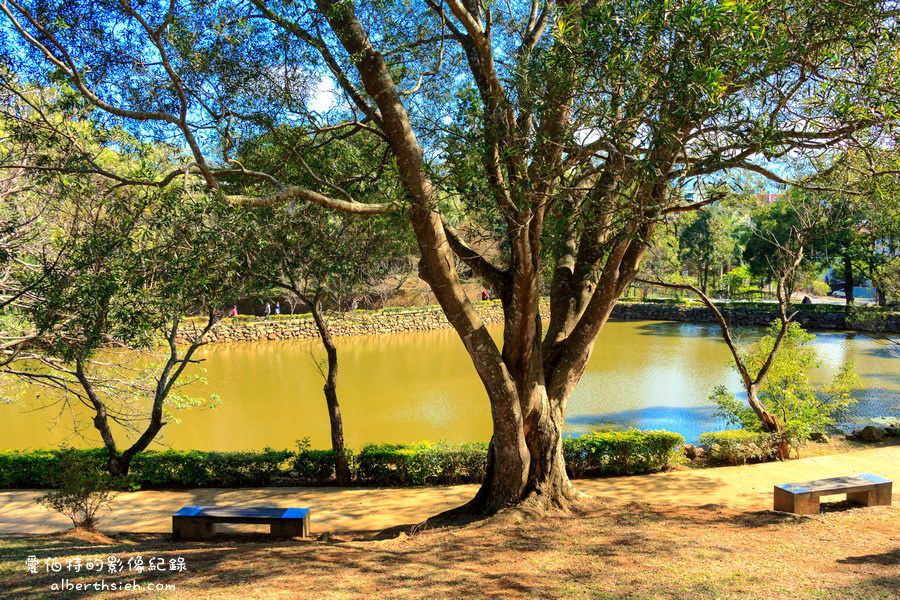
(248, 328)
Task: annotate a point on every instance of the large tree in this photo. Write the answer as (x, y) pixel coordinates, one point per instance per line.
(586, 119)
(870, 238)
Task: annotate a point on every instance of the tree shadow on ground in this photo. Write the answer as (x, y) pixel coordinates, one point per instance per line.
(614, 547)
(888, 558)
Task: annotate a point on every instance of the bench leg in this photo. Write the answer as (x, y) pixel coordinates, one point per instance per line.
(880, 496)
(801, 504)
(192, 529)
(289, 529)
(861, 498)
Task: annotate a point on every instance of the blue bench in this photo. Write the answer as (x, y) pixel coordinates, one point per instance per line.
(199, 522)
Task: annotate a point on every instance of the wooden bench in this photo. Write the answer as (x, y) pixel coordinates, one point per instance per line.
(199, 522)
(803, 498)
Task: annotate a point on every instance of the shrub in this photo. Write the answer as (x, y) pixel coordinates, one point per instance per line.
(38, 468)
(737, 446)
(421, 464)
(316, 466)
(737, 280)
(673, 300)
(195, 468)
(820, 288)
(81, 488)
(787, 390)
(600, 453)
(870, 318)
(629, 452)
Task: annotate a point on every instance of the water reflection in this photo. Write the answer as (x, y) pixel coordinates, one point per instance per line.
(422, 386)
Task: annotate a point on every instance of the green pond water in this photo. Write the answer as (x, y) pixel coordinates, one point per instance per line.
(421, 386)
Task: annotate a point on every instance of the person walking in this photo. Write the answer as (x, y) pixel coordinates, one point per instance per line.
(234, 312)
(278, 308)
(268, 310)
(484, 295)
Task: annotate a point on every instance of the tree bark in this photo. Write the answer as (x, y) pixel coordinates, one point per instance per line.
(341, 466)
(526, 467)
(540, 482)
(119, 464)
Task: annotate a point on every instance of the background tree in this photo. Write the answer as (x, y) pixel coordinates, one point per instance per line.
(708, 241)
(590, 117)
(109, 268)
(783, 232)
(774, 225)
(870, 179)
(791, 227)
(787, 391)
(663, 259)
(324, 259)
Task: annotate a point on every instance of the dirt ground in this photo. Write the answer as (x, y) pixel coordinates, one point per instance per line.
(604, 549)
(337, 510)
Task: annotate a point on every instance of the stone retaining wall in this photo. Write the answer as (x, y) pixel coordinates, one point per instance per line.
(355, 323)
(431, 318)
(811, 319)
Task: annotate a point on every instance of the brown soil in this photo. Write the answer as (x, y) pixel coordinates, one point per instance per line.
(838, 444)
(605, 549)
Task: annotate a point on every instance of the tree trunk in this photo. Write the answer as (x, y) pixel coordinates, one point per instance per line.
(848, 279)
(526, 386)
(771, 422)
(118, 465)
(705, 278)
(525, 464)
(341, 466)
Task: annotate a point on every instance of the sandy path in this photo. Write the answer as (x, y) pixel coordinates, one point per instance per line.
(374, 509)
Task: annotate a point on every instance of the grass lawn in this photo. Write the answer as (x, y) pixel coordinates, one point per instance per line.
(604, 550)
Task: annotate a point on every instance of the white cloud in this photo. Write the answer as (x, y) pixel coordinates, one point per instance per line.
(325, 97)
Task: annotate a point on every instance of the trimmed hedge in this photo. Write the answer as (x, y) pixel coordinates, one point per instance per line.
(421, 464)
(195, 468)
(36, 468)
(603, 453)
(630, 452)
(315, 466)
(737, 446)
(160, 469)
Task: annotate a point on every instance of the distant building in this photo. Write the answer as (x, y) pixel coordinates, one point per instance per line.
(768, 198)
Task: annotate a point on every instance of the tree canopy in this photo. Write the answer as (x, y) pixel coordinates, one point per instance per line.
(587, 119)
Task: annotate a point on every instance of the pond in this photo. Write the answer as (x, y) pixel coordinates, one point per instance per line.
(421, 386)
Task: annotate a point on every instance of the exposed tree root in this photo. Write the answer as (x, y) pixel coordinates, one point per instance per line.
(533, 507)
